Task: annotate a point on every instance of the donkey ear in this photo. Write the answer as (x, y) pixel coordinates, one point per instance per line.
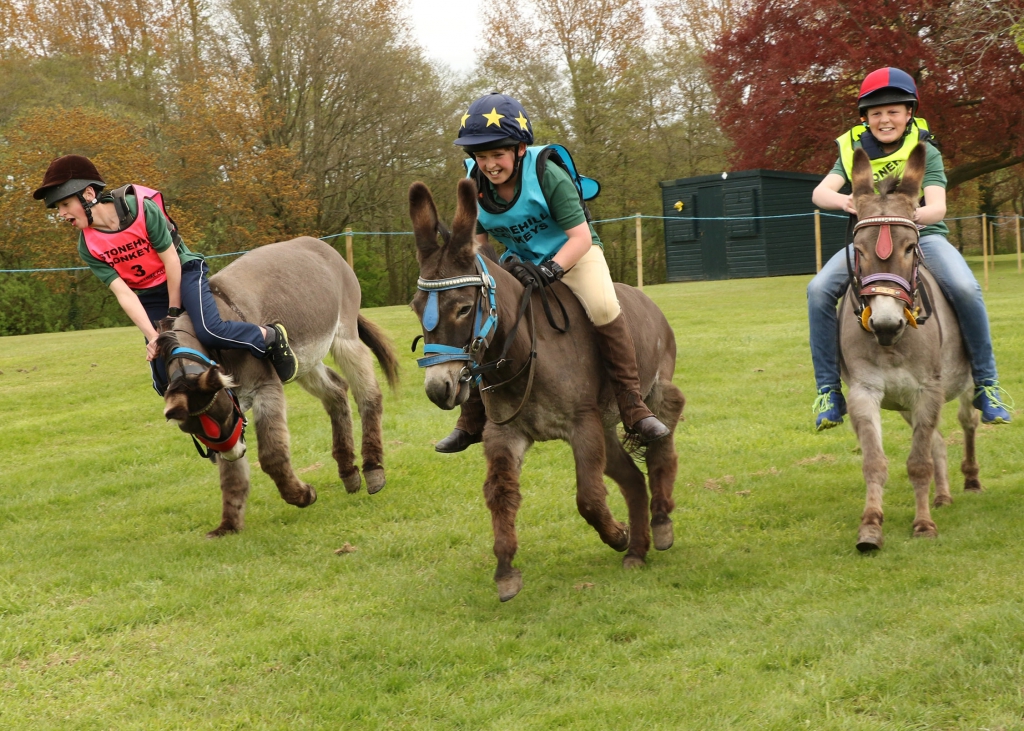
(166, 342)
(913, 173)
(863, 178)
(424, 220)
(214, 380)
(464, 225)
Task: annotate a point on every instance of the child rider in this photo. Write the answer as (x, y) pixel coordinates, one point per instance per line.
(496, 133)
(149, 269)
(889, 131)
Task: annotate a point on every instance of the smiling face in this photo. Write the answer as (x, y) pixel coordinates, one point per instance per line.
(497, 165)
(888, 123)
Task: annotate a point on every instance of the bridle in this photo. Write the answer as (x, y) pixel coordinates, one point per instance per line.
(886, 283)
(213, 436)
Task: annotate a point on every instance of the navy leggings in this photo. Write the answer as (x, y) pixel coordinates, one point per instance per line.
(213, 332)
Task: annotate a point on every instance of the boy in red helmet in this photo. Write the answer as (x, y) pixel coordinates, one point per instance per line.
(133, 247)
(889, 130)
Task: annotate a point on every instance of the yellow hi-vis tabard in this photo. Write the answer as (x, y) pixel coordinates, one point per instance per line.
(891, 164)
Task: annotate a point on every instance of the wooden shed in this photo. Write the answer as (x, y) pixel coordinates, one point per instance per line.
(719, 226)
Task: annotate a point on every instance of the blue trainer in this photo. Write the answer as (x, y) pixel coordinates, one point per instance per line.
(989, 400)
(830, 407)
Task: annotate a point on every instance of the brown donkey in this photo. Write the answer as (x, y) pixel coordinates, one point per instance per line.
(563, 392)
(307, 286)
(891, 360)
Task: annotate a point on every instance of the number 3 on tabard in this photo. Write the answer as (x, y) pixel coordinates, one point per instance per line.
(138, 270)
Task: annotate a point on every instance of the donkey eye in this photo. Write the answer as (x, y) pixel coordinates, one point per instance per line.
(463, 311)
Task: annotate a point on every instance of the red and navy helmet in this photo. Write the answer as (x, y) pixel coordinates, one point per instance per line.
(887, 86)
(492, 121)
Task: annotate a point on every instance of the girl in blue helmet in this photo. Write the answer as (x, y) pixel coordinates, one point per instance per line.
(530, 203)
(888, 132)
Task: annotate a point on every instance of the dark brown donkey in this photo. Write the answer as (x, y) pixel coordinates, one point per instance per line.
(307, 286)
(562, 393)
(893, 359)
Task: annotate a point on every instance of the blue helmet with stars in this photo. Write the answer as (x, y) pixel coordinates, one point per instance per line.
(492, 121)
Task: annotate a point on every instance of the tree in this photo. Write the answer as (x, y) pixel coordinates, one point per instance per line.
(788, 75)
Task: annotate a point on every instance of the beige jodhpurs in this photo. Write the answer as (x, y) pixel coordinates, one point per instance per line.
(591, 282)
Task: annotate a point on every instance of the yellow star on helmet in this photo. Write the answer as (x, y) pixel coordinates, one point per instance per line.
(523, 121)
(464, 118)
(493, 117)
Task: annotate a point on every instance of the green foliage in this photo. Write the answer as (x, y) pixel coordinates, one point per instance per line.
(115, 612)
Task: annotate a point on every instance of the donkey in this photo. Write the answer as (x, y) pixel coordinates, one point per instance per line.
(895, 360)
(540, 385)
(307, 286)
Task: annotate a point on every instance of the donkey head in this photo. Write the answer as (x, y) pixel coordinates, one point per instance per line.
(448, 315)
(198, 399)
(885, 239)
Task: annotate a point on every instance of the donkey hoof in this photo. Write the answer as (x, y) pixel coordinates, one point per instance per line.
(925, 529)
(304, 498)
(662, 534)
(632, 561)
(510, 585)
(623, 542)
(374, 480)
(941, 500)
(973, 485)
(870, 538)
(221, 530)
(352, 482)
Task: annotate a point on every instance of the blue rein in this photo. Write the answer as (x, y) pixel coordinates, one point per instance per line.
(437, 353)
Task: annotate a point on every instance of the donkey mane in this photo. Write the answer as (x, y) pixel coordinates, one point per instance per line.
(888, 185)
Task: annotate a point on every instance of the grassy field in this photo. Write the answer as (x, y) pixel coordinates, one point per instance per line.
(116, 612)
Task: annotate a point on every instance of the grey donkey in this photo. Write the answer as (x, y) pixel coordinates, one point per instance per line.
(890, 361)
(305, 285)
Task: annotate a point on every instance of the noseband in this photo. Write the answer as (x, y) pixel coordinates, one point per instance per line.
(886, 283)
(213, 437)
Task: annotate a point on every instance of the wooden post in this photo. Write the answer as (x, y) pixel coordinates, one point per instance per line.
(984, 247)
(348, 247)
(639, 255)
(817, 240)
(1018, 245)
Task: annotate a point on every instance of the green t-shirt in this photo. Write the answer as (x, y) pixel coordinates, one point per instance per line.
(934, 174)
(159, 236)
(562, 197)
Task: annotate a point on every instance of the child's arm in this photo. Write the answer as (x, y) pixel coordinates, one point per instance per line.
(934, 208)
(572, 251)
(132, 307)
(172, 264)
(827, 194)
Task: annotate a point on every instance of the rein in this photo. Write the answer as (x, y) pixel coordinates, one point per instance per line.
(886, 283)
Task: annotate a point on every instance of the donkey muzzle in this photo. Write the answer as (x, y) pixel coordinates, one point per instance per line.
(445, 385)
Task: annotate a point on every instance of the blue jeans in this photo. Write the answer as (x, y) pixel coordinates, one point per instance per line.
(956, 281)
(213, 332)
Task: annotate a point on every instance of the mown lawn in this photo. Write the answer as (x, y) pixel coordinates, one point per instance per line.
(116, 612)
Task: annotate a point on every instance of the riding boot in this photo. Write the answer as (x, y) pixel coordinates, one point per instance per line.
(469, 428)
(616, 347)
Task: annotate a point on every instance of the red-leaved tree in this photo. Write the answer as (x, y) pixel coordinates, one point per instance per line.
(788, 74)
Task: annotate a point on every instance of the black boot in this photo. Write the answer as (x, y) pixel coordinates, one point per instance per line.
(280, 353)
(469, 429)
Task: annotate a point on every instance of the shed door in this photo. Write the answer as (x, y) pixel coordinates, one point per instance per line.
(712, 233)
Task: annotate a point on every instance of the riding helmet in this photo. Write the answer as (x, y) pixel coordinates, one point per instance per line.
(493, 121)
(887, 86)
(68, 175)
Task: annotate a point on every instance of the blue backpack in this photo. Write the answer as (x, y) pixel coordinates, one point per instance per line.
(588, 188)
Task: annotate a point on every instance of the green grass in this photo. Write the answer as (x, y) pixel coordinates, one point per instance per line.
(116, 612)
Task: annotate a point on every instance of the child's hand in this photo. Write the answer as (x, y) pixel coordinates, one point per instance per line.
(151, 351)
(848, 206)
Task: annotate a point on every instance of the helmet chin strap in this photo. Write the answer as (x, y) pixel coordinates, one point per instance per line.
(87, 205)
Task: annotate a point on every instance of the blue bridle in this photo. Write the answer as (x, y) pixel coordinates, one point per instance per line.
(436, 353)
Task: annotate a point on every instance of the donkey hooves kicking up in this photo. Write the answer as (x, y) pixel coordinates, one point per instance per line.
(925, 529)
(630, 561)
(304, 498)
(661, 530)
(510, 585)
(352, 482)
(941, 500)
(870, 538)
(375, 481)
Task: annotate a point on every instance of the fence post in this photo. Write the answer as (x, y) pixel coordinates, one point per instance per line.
(984, 247)
(639, 255)
(348, 246)
(817, 240)
(1018, 245)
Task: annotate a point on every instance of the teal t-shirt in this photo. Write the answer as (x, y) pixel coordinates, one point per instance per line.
(159, 236)
(934, 174)
(562, 198)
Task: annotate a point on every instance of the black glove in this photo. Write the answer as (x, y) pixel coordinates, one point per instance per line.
(550, 271)
(524, 275)
(537, 275)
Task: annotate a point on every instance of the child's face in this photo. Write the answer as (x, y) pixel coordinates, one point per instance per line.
(497, 165)
(888, 123)
(70, 209)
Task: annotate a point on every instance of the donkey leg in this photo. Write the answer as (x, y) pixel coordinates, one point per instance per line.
(941, 466)
(234, 490)
(504, 449)
(271, 418)
(864, 409)
(356, 362)
(332, 391)
(588, 448)
(920, 467)
(968, 418)
(663, 463)
(620, 467)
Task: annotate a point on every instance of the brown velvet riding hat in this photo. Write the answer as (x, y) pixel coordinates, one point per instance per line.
(66, 176)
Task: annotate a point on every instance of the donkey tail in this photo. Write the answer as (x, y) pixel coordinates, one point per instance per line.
(381, 346)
